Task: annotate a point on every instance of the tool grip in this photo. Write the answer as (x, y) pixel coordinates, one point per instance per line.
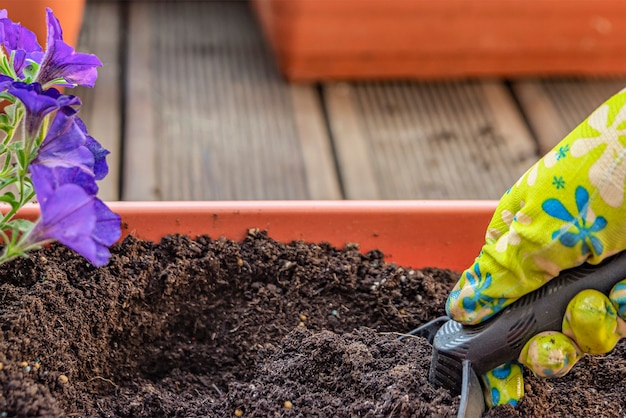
(502, 338)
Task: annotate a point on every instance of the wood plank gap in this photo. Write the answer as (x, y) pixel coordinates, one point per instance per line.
(507, 118)
(321, 174)
(554, 107)
(357, 173)
(542, 117)
(510, 125)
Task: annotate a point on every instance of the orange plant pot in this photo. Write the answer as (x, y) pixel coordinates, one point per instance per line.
(444, 234)
(32, 15)
(365, 39)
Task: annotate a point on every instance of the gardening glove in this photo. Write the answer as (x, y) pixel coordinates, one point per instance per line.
(567, 209)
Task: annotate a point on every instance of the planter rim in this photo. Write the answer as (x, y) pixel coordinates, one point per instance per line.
(305, 205)
(416, 233)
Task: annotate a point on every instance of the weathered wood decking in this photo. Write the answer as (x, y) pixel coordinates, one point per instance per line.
(193, 108)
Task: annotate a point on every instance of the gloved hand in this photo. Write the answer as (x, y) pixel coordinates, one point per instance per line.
(567, 209)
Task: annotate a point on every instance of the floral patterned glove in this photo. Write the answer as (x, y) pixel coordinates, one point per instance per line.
(567, 209)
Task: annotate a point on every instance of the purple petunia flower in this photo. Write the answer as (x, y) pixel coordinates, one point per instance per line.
(68, 145)
(19, 42)
(64, 144)
(61, 61)
(73, 217)
(39, 103)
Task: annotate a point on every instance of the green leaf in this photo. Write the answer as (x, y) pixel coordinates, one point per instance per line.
(22, 225)
(5, 66)
(6, 181)
(59, 81)
(8, 97)
(7, 197)
(8, 164)
(10, 199)
(22, 158)
(12, 111)
(15, 146)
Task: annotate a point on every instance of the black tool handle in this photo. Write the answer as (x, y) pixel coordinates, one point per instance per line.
(502, 338)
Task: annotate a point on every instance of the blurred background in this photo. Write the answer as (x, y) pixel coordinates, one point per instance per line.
(340, 99)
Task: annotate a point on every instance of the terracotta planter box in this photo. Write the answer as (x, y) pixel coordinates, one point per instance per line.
(271, 328)
(143, 335)
(357, 39)
(454, 230)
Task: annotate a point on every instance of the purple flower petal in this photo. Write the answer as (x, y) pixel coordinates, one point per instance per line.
(73, 217)
(17, 37)
(62, 99)
(39, 103)
(100, 167)
(61, 61)
(35, 99)
(5, 82)
(108, 226)
(71, 175)
(65, 144)
(19, 42)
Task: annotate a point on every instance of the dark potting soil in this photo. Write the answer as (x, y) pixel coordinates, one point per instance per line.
(197, 328)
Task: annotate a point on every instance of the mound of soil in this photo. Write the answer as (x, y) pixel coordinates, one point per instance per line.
(197, 328)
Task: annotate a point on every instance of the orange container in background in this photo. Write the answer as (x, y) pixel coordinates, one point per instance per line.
(423, 39)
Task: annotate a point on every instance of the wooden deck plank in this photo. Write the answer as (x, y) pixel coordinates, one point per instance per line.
(209, 114)
(140, 180)
(317, 152)
(101, 105)
(209, 118)
(358, 177)
(554, 107)
(445, 140)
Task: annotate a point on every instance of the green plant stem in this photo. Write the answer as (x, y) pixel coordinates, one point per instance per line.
(18, 244)
(20, 172)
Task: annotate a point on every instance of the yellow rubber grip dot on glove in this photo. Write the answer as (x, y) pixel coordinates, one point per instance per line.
(591, 320)
(550, 354)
